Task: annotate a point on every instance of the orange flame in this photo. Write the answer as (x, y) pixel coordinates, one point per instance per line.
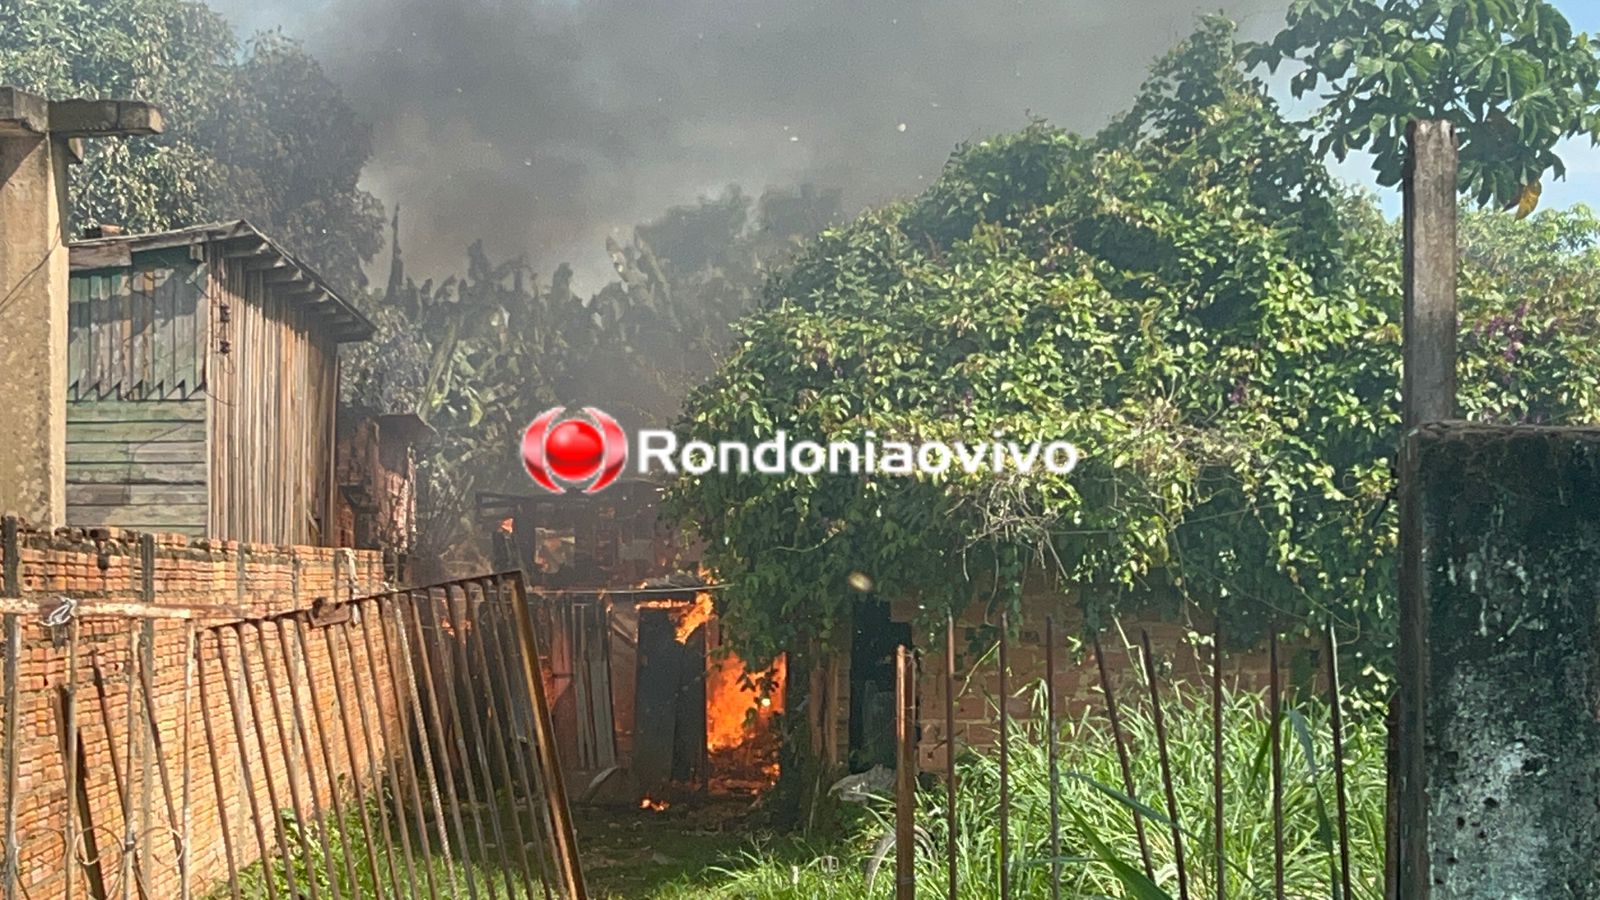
(654, 805)
(740, 704)
(693, 616)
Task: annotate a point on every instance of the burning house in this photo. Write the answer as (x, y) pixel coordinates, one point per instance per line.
(646, 700)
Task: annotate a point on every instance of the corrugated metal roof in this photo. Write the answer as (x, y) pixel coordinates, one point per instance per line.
(284, 272)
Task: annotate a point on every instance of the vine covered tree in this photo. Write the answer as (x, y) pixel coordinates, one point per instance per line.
(1189, 297)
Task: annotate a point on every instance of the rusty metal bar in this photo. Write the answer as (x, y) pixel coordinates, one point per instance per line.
(428, 714)
(523, 755)
(1005, 757)
(130, 834)
(11, 552)
(325, 740)
(950, 752)
(1218, 833)
(285, 651)
(69, 762)
(1275, 726)
(145, 662)
(423, 727)
(905, 780)
(1054, 753)
(104, 704)
(555, 788)
(357, 780)
(290, 770)
(461, 663)
(1166, 766)
(13, 627)
(152, 734)
(388, 755)
(413, 778)
(213, 762)
(439, 661)
(1107, 688)
(234, 707)
(10, 557)
(186, 825)
(377, 761)
(499, 738)
(1336, 723)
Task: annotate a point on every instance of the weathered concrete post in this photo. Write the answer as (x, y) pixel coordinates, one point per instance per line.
(38, 139)
(1507, 760)
(1428, 395)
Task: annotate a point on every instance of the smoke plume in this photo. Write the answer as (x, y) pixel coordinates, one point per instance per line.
(543, 126)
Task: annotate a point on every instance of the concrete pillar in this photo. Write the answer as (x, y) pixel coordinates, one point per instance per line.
(1507, 746)
(33, 312)
(38, 139)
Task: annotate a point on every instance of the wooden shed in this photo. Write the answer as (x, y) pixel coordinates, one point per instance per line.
(202, 386)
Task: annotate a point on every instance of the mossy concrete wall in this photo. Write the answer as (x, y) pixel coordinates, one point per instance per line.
(1508, 647)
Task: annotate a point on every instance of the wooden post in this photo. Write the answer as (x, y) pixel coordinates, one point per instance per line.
(905, 781)
(1428, 395)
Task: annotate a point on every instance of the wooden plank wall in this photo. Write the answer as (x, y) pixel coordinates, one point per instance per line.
(272, 406)
(141, 465)
(134, 332)
(136, 454)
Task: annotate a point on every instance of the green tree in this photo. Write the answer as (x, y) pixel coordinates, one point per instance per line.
(1188, 296)
(1510, 74)
(255, 132)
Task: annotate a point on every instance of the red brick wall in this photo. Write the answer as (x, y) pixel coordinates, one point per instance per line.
(198, 587)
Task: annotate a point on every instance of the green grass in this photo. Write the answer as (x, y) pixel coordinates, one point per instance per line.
(697, 853)
(1100, 856)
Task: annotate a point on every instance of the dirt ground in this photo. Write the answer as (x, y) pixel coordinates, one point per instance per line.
(674, 853)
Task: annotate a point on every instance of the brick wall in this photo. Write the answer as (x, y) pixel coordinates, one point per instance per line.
(201, 590)
(1077, 675)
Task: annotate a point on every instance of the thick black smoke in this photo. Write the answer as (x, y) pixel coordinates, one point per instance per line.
(544, 126)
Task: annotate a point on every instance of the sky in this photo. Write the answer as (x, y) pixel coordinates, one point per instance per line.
(544, 126)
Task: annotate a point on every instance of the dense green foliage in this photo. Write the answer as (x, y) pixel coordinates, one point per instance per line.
(1510, 74)
(257, 132)
(1185, 295)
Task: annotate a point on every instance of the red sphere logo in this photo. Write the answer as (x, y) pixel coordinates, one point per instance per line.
(574, 449)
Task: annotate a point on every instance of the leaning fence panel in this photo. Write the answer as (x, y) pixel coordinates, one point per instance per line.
(391, 745)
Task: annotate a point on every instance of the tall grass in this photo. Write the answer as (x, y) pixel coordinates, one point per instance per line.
(1100, 854)
(1097, 833)
(1097, 818)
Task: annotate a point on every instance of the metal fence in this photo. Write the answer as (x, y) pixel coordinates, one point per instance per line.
(395, 745)
(907, 706)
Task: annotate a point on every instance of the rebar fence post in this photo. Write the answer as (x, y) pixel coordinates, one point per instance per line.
(905, 792)
(1218, 834)
(1336, 725)
(1166, 767)
(950, 752)
(1123, 761)
(1005, 757)
(1275, 729)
